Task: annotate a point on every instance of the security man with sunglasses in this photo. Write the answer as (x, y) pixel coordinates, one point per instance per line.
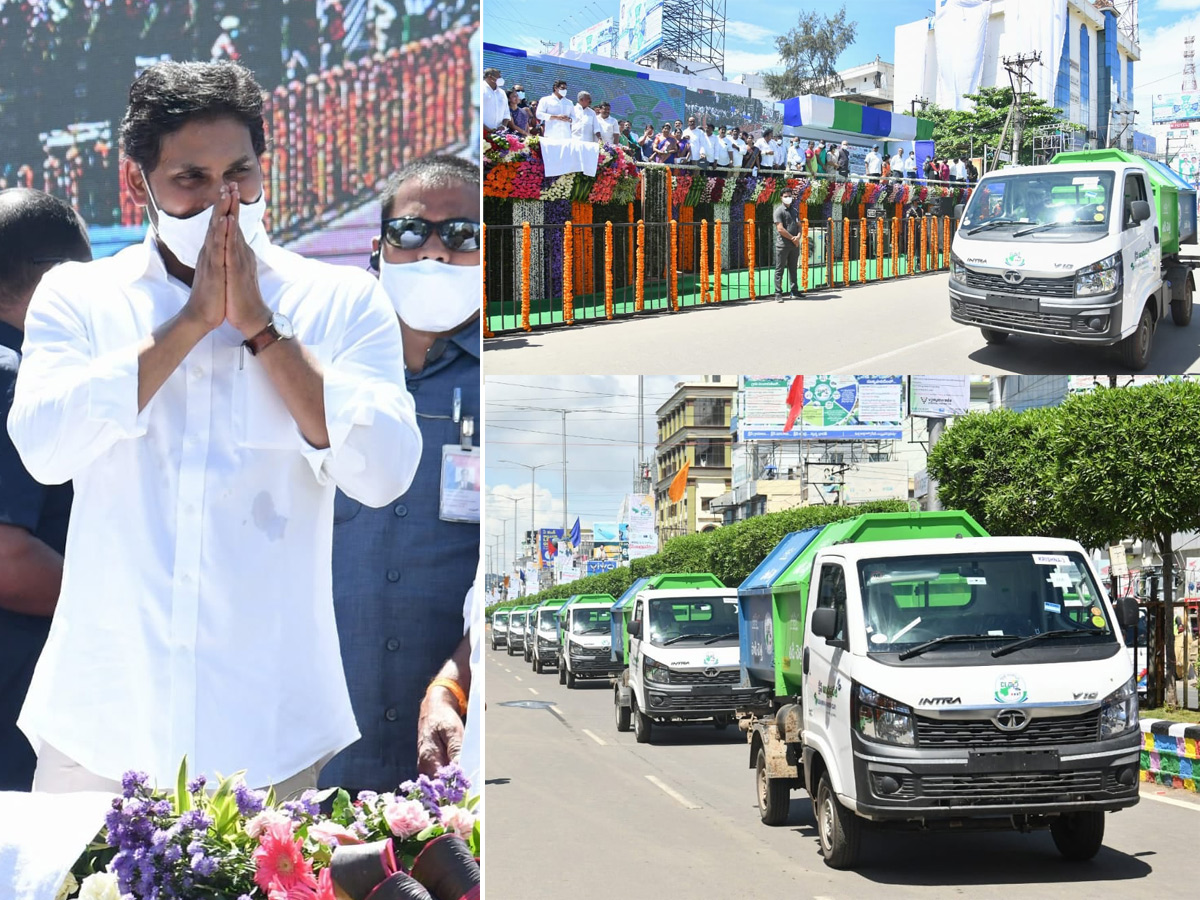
(400, 573)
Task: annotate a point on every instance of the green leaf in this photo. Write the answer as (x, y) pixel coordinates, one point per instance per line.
(183, 800)
(343, 809)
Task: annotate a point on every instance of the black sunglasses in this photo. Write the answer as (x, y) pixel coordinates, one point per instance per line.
(411, 232)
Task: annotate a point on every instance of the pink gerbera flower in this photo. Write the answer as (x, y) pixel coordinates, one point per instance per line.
(279, 862)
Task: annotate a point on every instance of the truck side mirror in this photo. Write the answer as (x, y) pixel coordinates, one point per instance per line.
(1139, 211)
(635, 629)
(825, 622)
(958, 210)
(1127, 612)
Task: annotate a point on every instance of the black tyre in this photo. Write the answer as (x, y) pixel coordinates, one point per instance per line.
(992, 336)
(570, 680)
(721, 722)
(642, 724)
(622, 712)
(528, 654)
(1078, 836)
(839, 830)
(562, 672)
(774, 797)
(509, 650)
(1134, 351)
(1181, 308)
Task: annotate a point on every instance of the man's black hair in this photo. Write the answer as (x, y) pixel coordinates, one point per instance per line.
(562, 82)
(431, 171)
(168, 95)
(36, 231)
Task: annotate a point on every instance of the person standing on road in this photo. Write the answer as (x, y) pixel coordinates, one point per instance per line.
(787, 243)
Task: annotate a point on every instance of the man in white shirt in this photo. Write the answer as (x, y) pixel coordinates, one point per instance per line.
(780, 152)
(897, 163)
(206, 392)
(910, 166)
(695, 137)
(795, 155)
(874, 163)
(766, 149)
(608, 126)
(723, 146)
(708, 146)
(561, 150)
(737, 149)
(585, 125)
(495, 101)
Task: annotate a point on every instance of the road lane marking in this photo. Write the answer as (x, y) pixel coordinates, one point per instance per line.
(519, 678)
(905, 349)
(598, 740)
(674, 794)
(1171, 800)
(532, 691)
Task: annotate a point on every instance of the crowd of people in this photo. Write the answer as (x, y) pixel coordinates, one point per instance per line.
(296, 599)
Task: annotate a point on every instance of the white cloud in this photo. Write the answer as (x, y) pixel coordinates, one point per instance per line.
(753, 34)
(742, 62)
(1160, 70)
(1176, 5)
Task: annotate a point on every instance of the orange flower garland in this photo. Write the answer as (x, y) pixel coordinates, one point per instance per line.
(803, 254)
(687, 250)
(895, 246)
(487, 331)
(608, 270)
(924, 244)
(946, 242)
(862, 249)
(525, 251)
(704, 260)
(845, 251)
(717, 262)
(933, 245)
(911, 235)
(630, 253)
(879, 248)
(673, 266)
(640, 291)
(748, 244)
(568, 273)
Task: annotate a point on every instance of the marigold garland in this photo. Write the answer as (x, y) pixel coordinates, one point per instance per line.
(879, 248)
(911, 235)
(704, 260)
(862, 249)
(568, 272)
(804, 254)
(608, 269)
(673, 267)
(895, 246)
(630, 253)
(748, 228)
(933, 244)
(525, 251)
(640, 291)
(845, 251)
(924, 243)
(717, 262)
(487, 331)
(946, 242)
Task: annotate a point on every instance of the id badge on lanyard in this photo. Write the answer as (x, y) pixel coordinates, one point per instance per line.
(461, 477)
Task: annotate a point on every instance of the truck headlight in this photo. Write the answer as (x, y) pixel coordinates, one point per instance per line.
(656, 673)
(1119, 712)
(1102, 278)
(958, 271)
(878, 717)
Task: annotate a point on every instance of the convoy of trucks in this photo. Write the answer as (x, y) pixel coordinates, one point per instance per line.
(904, 669)
(500, 629)
(1084, 250)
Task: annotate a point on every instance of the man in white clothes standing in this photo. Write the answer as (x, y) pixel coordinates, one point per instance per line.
(874, 163)
(708, 147)
(910, 166)
(495, 101)
(585, 125)
(897, 163)
(723, 144)
(562, 152)
(694, 136)
(737, 149)
(607, 124)
(766, 149)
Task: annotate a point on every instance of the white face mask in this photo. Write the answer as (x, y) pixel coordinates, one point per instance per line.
(562, 92)
(185, 237)
(430, 295)
(787, 201)
(499, 82)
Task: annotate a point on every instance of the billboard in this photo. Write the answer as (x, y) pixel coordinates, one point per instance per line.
(596, 566)
(639, 31)
(1174, 108)
(639, 513)
(876, 481)
(938, 396)
(1144, 143)
(598, 39)
(862, 407)
(548, 541)
(607, 540)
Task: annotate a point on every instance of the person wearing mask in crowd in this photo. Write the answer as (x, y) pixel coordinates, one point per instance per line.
(562, 149)
(766, 149)
(810, 159)
(707, 147)
(931, 169)
(944, 171)
(897, 163)
(787, 243)
(737, 149)
(518, 116)
(585, 125)
(724, 158)
(779, 152)
(37, 231)
(396, 633)
(261, 381)
(874, 164)
(972, 172)
(843, 160)
(692, 134)
(910, 166)
(521, 101)
(795, 155)
(606, 124)
(626, 140)
(831, 160)
(556, 112)
(665, 146)
(646, 143)
(961, 172)
(683, 150)
(495, 101)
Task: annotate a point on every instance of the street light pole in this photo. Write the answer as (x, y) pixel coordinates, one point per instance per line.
(532, 498)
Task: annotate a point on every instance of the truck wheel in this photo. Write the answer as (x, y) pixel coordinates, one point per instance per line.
(1181, 308)
(992, 336)
(509, 650)
(1134, 351)
(721, 722)
(774, 796)
(562, 672)
(570, 680)
(839, 829)
(1078, 836)
(642, 725)
(622, 712)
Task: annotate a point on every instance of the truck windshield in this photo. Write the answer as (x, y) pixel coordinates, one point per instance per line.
(590, 621)
(1069, 204)
(683, 620)
(500, 620)
(546, 618)
(997, 597)
(517, 620)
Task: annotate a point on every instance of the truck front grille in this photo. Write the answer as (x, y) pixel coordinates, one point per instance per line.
(1010, 789)
(1050, 732)
(731, 676)
(1030, 287)
(990, 316)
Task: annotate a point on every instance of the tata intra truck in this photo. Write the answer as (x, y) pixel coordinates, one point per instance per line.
(499, 629)
(585, 639)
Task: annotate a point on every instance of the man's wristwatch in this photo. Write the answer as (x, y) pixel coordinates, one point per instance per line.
(278, 329)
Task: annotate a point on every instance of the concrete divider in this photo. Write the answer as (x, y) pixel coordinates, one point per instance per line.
(1171, 753)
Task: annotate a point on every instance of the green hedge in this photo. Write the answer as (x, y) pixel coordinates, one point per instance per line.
(730, 553)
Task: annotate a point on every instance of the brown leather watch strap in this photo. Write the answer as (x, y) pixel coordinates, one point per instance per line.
(262, 340)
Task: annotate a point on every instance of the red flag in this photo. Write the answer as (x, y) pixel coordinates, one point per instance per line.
(795, 401)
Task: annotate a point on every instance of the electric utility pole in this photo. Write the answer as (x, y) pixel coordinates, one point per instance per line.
(1016, 66)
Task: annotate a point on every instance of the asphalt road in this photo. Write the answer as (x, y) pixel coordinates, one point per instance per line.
(897, 326)
(577, 810)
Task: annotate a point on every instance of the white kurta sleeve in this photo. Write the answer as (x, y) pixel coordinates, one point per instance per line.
(70, 405)
(374, 441)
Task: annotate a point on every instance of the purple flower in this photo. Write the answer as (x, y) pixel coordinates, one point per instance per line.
(203, 865)
(132, 782)
(195, 820)
(249, 802)
(196, 785)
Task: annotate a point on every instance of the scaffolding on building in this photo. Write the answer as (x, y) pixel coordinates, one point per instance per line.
(693, 38)
(1049, 140)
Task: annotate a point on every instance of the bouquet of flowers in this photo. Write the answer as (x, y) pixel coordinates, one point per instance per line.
(683, 184)
(605, 184)
(499, 180)
(527, 183)
(420, 842)
(766, 191)
(820, 192)
(560, 188)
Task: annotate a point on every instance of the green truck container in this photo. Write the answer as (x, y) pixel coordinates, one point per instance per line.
(622, 610)
(773, 598)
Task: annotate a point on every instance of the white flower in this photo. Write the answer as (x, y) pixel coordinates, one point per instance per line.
(100, 886)
(264, 820)
(69, 886)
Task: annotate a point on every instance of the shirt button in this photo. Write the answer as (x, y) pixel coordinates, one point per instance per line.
(393, 644)
(197, 373)
(390, 714)
(401, 510)
(413, 387)
(186, 579)
(393, 575)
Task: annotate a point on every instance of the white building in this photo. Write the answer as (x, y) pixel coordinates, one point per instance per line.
(757, 86)
(868, 85)
(1086, 69)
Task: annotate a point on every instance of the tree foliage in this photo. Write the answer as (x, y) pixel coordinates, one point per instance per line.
(809, 54)
(730, 553)
(953, 130)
